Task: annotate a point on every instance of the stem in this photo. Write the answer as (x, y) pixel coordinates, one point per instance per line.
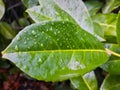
(112, 53)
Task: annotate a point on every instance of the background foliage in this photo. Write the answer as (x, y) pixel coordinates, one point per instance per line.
(73, 44)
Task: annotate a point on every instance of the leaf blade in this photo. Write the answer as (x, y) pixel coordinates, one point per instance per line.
(57, 49)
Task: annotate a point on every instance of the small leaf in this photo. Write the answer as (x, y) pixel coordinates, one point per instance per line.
(93, 6)
(48, 11)
(2, 9)
(111, 5)
(30, 3)
(118, 28)
(111, 82)
(6, 30)
(86, 82)
(50, 51)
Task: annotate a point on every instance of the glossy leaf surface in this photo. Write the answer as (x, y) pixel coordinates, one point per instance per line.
(50, 52)
(48, 11)
(2, 9)
(79, 12)
(86, 82)
(118, 29)
(113, 67)
(111, 5)
(111, 82)
(30, 3)
(107, 23)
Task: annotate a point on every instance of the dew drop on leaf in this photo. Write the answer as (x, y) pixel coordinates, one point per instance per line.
(33, 32)
(41, 44)
(16, 47)
(19, 38)
(25, 42)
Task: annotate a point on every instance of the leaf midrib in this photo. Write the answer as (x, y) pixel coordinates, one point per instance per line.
(79, 50)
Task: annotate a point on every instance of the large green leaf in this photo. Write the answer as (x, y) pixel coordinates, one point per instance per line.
(111, 5)
(86, 82)
(93, 6)
(55, 51)
(30, 3)
(111, 82)
(2, 9)
(118, 28)
(48, 11)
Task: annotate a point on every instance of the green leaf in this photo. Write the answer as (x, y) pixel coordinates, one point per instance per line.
(30, 3)
(50, 52)
(107, 22)
(111, 5)
(86, 82)
(118, 28)
(113, 67)
(7, 31)
(111, 82)
(79, 12)
(48, 12)
(93, 6)
(2, 9)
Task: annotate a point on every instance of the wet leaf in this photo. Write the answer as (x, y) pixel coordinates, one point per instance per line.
(111, 5)
(48, 12)
(50, 52)
(7, 31)
(113, 67)
(79, 12)
(111, 82)
(86, 82)
(2, 9)
(118, 29)
(30, 3)
(107, 23)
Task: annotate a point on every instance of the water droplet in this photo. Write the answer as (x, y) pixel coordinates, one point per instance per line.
(41, 44)
(51, 28)
(39, 60)
(35, 42)
(28, 47)
(18, 38)
(28, 38)
(25, 67)
(33, 32)
(25, 42)
(16, 47)
(55, 33)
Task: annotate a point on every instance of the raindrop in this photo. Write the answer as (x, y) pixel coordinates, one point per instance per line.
(28, 47)
(39, 60)
(33, 32)
(51, 28)
(35, 42)
(28, 38)
(43, 32)
(41, 44)
(16, 47)
(25, 67)
(25, 42)
(18, 38)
